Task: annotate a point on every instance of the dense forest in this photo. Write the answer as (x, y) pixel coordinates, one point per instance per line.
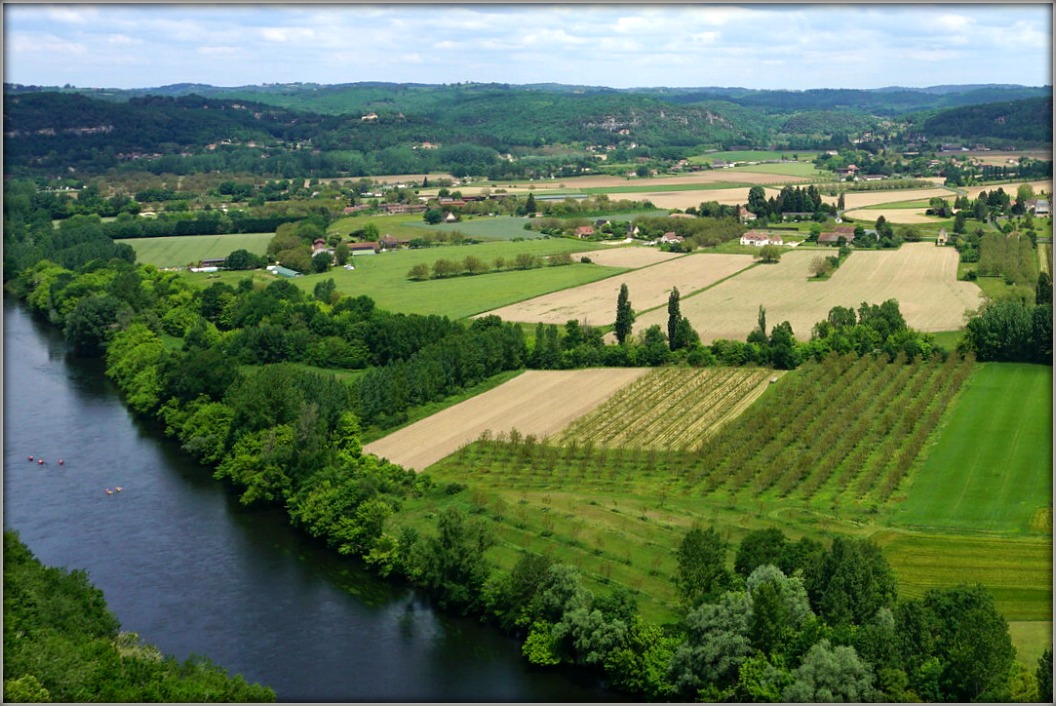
(1029, 119)
(478, 129)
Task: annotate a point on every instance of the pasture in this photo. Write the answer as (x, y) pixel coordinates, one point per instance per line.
(649, 287)
(990, 468)
(383, 277)
(181, 250)
(920, 276)
(538, 402)
(1018, 572)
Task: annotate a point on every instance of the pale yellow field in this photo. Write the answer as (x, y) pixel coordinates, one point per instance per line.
(862, 199)
(539, 402)
(595, 303)
(1040, 187)
(904, 216)
(633, 256)
(921, 276)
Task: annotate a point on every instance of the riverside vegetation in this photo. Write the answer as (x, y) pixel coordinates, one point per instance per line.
(238, 375)
(799, 540)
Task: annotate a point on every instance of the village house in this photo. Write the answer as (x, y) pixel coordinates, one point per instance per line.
(1041, 208)
(584, 231)
(671, 237)
(759, 239)
(744, 215)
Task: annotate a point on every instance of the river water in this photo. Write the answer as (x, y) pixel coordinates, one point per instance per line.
(190, 570)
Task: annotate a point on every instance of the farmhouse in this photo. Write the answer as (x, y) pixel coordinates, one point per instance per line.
(759, 239)
(1042, 208)
(387, 242)
(584, 231)
(941, 238)
(398, 208)
(319, 245)
(671, 237)
(370, 248)
(833, 237)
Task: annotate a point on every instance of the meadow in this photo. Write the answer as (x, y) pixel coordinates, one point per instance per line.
(991, 468)
(180, 251)
(383, 277)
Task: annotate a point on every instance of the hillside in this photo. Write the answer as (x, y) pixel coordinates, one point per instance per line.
(1025, 120)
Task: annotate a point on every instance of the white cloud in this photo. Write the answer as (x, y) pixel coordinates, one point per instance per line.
(122, 40)
(287, 34)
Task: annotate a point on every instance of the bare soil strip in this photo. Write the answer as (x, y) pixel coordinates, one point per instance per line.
(921, 276)
(595, 303)
(539, 402)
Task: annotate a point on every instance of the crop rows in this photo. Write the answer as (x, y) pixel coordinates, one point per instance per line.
(669, 409)
(844, 429)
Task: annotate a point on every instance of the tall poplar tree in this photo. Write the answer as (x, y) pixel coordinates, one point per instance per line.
(674, 314)
(624, 315)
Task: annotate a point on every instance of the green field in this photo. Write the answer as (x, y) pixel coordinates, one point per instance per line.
(618, 513)
(792, 169)
(754, 155)
(383, 277)
(485, 228)
(181, 250)
(1017, 572)
(991, 466)
(659, 185)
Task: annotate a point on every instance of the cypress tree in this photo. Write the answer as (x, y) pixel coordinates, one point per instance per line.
(674, 314)
(624, 315)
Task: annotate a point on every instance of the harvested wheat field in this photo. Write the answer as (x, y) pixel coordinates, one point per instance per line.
(539, 402)
(864, 199)
(1043, 186)
(595, 303)
(685, 199)
(921, 276)
(631, 257)
(898, 216)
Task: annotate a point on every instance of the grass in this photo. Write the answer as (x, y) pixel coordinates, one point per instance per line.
(179, 250)
(485, 228)
(1031, 638)
(753, 156)
(618, 514)
(948, 339)
(659, 185)
(1017, 572)
(991, 467)
(792, 169)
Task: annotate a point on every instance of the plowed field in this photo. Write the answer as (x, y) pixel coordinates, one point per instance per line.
(922, 277)
(539, 402)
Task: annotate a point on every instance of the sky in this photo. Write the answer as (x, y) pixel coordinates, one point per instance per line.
(761, 46)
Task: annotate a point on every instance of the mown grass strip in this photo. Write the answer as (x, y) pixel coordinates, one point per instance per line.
(991, 465)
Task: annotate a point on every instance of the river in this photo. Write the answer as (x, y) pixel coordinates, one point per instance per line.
(190, 570)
